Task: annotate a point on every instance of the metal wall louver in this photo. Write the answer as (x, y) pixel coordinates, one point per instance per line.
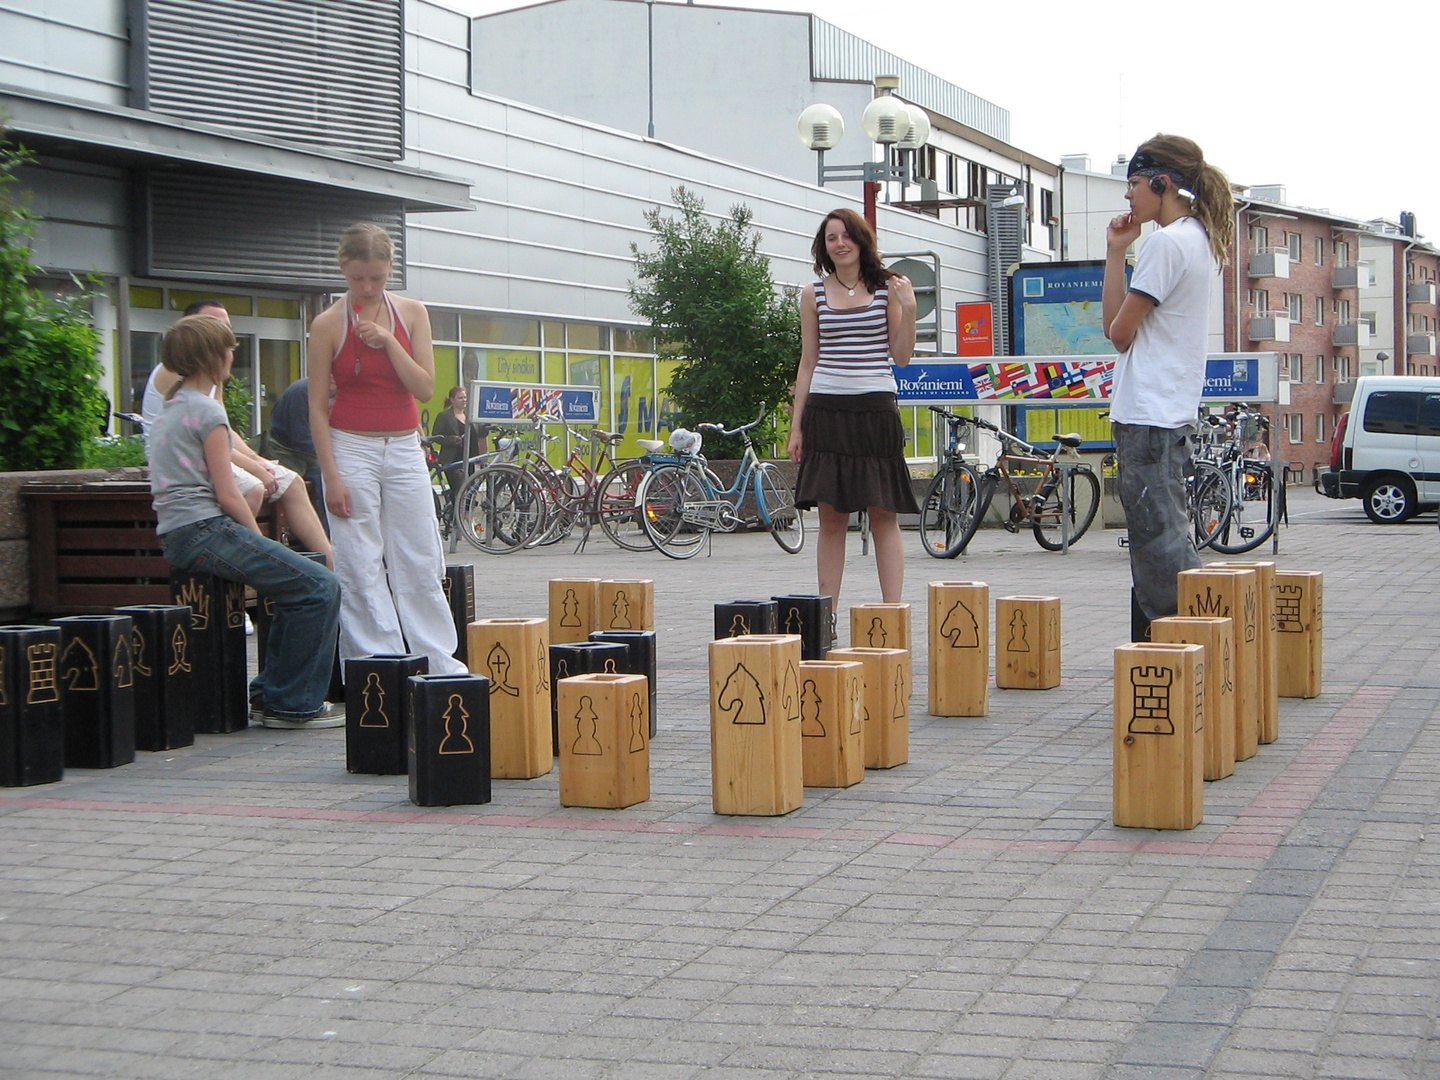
(223, 227)
(322, 72)
(1005, 240)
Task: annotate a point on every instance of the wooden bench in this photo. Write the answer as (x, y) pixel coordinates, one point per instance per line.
(93, 547)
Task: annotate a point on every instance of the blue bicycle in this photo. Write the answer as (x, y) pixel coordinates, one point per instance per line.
(683, 502)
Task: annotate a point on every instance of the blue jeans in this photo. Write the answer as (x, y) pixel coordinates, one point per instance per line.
(300, 651)
(1154, 462)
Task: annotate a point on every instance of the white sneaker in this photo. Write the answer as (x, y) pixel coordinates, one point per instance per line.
(249, 626)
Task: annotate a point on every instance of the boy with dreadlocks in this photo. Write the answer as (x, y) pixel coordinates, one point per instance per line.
(1160, 325)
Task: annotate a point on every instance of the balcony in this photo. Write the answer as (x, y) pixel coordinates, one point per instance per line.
(1270, 264)
(1353, 277)
(1420, 292)
(1270, 326)
(1420, 344)
(1351, 333)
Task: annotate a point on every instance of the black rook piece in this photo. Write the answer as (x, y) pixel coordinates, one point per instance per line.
(460, 594)
(449, 739)
(32, 725)
(640, 645)
(812, 618)
(97, 677)
(165, 684)
(377, 712)
(217, 644)
(581, 658)
(739, 618)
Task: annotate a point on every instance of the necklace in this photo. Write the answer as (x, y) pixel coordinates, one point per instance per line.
(849, 289)
(358, 309)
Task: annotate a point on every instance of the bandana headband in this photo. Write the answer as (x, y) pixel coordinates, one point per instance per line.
(1142, 164)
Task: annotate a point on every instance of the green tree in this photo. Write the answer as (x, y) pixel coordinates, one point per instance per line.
(52, 406)
(713, 307)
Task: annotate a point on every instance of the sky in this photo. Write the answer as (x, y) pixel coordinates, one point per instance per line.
(1336, 102)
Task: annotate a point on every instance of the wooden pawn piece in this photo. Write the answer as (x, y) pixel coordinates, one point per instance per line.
(1299, 618)
(604, 740)
(1027, 642)
(887, 709)
(1230, 593)
(515, 656)
(574, 609)
(626, 604)
(1159, 736)
(832, 722)
(959, 648)
(755, 742)
(1218, 638)
(885, 626)
(1269, 656)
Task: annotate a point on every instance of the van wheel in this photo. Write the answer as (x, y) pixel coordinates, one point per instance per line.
(1388, 500)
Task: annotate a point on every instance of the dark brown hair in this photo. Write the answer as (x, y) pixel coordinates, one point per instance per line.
(872, 271)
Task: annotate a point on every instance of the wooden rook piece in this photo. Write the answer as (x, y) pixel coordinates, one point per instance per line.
(97, 676)
(377, 703)
(810, 616)
(1027, 642)
(459, 583)
(604, 748)
(574, 609)
(449, 740)
(1269, 656)
(626, 604)
(737, 618)
(1232, 594)
(165, 683)
(32, 722)
(581, 658)
(514, 656)
(832, 722)
(887, 704)
(217, 645)
(640, 644)
(755, 752)
(1299, 604)
(959, 648)
(1218, 638)
(1159, 735)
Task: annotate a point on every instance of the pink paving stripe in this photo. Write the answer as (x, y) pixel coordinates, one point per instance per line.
(1255, 833)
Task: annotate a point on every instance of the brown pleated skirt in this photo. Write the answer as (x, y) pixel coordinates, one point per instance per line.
(853, 454)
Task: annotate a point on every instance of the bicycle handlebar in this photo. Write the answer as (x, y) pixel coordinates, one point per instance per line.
(734, 431)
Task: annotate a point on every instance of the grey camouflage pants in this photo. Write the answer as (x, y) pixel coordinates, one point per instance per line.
(1153, 464)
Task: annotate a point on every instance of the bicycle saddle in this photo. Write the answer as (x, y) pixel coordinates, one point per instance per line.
(1072, 440)
(609, 438)
(651, 445)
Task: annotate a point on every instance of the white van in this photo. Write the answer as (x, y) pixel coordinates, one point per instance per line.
(1386, 450)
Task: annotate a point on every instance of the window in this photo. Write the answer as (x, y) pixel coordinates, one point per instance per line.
(1342, 369)
(1368, 318)
(1319, 311)
(1293, 240)
(1260, 300)
(1319, 427)
(1295, 427)
(1287, 366)
(1319, 251)
(1319, 369)
(1292, 304)
(1259, 238)
(1342, 253)
(1342, 311)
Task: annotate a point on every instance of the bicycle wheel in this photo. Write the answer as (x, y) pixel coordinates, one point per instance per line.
(617, 507)
(950, 512)
(1256, 512)
(668, 496)
(1082, 497)
(565, 500)
(776, 500)
(1208, 496)
(499, 509)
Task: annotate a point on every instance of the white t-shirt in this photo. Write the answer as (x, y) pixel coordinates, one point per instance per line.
(1159, 379)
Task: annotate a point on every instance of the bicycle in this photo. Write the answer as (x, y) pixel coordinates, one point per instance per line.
(948, 512)
(1060, 505)
(1257, 502)
(683, 503)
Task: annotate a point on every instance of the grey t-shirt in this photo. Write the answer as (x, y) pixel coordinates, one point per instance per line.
(179, 478)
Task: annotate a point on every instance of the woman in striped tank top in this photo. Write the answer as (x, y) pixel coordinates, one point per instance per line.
(845, 430)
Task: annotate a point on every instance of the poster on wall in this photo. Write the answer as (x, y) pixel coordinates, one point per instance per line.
(975, 329)
(1055, 309)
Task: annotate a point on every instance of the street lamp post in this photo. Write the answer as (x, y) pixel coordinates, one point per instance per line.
(888, 121)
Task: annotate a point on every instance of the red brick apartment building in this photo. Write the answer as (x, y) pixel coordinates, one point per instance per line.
(1336, 298)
